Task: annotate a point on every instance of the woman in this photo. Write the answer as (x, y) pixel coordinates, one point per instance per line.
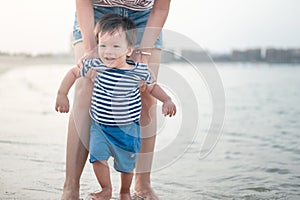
(145, 13)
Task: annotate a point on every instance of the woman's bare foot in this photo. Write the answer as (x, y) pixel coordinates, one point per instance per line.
(105, 194)
(125, 196)
(70, 192)
(68, 195)
(145, 194)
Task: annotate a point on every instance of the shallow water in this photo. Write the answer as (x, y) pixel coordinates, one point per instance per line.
(256, 157)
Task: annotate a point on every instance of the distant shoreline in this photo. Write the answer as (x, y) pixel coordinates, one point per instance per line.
(270, 55)
(8, 62)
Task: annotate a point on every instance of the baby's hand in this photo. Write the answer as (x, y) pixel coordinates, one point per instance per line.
(62, 103)
(169, 108)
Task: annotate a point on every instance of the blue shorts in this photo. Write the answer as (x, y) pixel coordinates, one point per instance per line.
(140, 19)
(120, 142)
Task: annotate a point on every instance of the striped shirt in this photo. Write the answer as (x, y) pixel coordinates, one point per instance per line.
(116, 97)
(130, 4)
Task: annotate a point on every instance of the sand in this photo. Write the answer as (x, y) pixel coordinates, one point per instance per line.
(32, 135)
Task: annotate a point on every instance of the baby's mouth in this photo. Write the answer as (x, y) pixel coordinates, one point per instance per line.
(109, 59)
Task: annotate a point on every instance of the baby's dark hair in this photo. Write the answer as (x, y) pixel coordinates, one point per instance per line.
(111, 23)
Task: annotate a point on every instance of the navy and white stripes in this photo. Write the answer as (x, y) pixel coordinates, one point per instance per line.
(116, 97)
(130, 4)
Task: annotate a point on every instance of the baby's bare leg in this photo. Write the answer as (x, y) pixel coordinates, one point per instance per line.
(101, 170)
(126, 179)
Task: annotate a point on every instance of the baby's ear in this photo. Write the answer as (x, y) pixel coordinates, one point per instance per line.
(129, 51)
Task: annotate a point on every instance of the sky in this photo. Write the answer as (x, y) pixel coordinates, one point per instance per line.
(40, 26)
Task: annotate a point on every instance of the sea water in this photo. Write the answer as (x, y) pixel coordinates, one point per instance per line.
(255, 156)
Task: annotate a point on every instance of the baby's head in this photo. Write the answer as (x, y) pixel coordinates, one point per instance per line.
(116, 37)
(113, 24)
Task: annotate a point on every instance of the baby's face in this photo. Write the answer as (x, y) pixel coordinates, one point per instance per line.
(114, 49)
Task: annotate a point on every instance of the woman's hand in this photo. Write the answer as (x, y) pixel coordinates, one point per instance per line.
(88, 55)
(141, 55)
(91, 75)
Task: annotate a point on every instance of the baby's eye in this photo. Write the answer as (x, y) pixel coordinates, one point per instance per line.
(101, 45)
(116, 46)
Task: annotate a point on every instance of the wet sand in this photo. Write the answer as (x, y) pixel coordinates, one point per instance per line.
(32, 135)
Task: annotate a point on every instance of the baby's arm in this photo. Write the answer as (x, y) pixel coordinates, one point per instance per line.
(168, 108)
(62, 101)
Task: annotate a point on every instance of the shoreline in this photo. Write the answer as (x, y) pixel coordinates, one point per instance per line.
(8, 62)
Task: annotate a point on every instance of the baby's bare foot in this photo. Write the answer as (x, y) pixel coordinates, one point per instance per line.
(105, 194)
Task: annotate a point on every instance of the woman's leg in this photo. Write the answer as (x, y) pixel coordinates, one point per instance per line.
(78, 134)
(148, 134)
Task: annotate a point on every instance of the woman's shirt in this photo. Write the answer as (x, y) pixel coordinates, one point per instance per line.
(116, 97)
(130, 4)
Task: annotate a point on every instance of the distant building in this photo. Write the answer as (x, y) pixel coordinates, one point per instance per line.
(225, 57)
(195, 56)
(294, 55)
(250, 55)
(254, 55)
(282, 55)
(276, 56)
(237, 55)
